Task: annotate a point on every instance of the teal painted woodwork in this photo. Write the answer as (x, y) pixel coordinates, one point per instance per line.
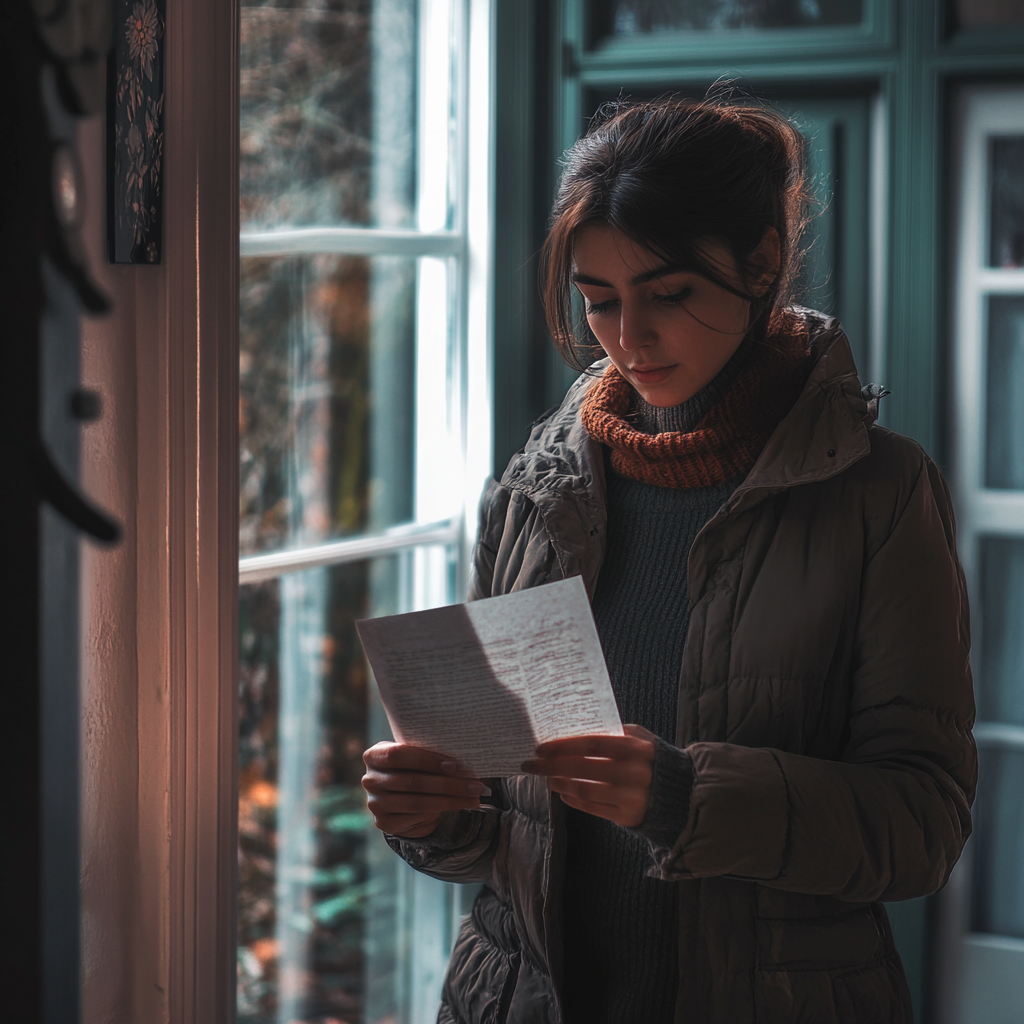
(836, 263)
(874, 101)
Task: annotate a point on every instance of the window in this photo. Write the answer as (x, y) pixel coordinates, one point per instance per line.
(365, 440)
(629, 17)
(987, 895)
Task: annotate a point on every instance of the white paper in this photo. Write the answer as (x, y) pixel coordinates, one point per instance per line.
(486, 682)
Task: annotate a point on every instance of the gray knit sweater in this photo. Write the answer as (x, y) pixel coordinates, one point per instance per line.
(620, 925)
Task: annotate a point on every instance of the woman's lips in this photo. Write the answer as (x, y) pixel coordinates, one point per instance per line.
(650, 375)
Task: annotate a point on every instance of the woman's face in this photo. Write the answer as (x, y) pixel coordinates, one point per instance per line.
(668, 332)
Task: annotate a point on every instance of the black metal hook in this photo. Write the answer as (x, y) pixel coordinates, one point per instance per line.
(63, 497)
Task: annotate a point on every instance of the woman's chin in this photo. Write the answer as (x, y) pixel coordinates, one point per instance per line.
(663, 396)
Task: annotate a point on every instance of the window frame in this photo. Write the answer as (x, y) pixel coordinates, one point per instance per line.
(980, 979)
(875, 30)
(427, 542)
(467, 247)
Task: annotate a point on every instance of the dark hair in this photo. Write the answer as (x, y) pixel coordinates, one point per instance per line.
(669, 173)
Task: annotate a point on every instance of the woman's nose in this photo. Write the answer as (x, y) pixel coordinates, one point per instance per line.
(635, 329)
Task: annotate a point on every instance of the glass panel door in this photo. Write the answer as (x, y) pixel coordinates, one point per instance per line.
(363, 412)
(984, 908)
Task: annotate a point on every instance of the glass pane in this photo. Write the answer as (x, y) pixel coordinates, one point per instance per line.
(819, 275)
(326, 405)
(998, 904)
(1000, 681)
(328, 112)
(989, 13)
(638, 17)
(327, 914)
(1006, 232)
(1004, 454)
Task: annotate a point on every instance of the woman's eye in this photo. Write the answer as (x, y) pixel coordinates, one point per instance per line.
(597, 308)
(676, 298)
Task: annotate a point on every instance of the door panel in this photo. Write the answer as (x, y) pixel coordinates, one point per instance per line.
(983, 935)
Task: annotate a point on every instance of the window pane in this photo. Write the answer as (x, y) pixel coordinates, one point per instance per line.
(328, 112)
(326, 406)
(998, 904)
(1000, 681)
(327, 914)
(632, 17)
(1006, 234)
(1004, 460)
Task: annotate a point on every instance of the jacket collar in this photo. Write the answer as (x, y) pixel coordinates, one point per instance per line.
(561, 468)
(825, 432)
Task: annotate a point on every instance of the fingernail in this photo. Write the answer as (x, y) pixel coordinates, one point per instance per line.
(449, 766)
(477, 789)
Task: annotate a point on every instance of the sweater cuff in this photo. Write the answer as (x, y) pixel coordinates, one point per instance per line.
(669, 804)
(455, 829)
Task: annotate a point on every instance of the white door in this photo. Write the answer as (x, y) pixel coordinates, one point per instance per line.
(982, 964)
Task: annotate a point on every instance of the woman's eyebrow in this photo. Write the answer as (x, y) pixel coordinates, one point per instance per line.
(663, 271)
(587, 279)
(647, 276)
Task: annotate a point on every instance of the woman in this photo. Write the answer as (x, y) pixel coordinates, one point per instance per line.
(775, 583)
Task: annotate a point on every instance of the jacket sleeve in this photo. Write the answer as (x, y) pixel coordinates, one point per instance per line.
(460, 849)
(493, 510)
(889, 818)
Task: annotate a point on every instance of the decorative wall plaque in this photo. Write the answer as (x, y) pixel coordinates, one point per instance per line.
(135, 132)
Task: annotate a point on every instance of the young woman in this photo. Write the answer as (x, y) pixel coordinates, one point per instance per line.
(775, 583)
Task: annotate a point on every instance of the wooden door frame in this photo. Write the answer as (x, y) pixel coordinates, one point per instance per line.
(159, 615)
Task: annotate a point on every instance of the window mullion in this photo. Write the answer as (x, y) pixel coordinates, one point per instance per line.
(350, 242)
(259, 568)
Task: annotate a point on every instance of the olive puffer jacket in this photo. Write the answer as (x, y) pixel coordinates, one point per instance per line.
(825, 698)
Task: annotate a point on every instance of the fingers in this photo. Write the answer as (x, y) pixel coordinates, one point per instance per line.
(629, 813)
(616, 747)
(409, 787)
(409, 792)
(607, 776)
(604, 770)
(397, 812)
(597, 792)
(386, 756)
(420, 782)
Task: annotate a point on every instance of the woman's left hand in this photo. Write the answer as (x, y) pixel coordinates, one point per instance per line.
(608, 776)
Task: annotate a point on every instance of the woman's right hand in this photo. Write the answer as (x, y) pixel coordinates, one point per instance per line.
(409, 788)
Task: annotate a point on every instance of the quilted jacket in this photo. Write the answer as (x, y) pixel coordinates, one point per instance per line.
(825, 698)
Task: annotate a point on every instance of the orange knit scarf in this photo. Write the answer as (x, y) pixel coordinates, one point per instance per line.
(726, 443)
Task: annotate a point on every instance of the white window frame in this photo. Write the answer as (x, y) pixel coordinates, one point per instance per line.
(467, 250)
(453, 423)
(981, 977)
